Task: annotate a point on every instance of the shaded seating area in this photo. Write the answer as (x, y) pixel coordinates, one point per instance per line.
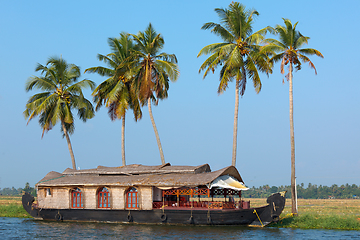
(184, 198)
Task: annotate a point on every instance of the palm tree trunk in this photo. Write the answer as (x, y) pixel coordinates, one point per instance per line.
(69, 145)
(123, 141)
(236, 116)
(156, 133)
(292, 141)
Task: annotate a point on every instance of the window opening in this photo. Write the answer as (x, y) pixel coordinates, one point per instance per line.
(104, 198)
(132, 198)
(76, 198)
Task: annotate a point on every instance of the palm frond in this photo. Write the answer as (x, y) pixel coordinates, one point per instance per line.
(41, 83)
(209, 49)
(59, 81)
(305, 59)
(288, 47)
(225, 77)
(251, 68)
(83, 84)
(310, 51)
(219, 30)
(169, 68)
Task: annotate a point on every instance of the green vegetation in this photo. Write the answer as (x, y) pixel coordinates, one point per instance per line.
(316, 221)
(11, 206)
(61, 94)
(288, 51)
(318, 213)
(238, 55)
(13, 210)
(139, 73)
(117, 92)
(311, 192)
(18, 192)
(155, 70)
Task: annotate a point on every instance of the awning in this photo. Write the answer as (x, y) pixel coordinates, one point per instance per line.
(227, 181)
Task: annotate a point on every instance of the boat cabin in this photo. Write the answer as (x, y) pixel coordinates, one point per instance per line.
(139, 187)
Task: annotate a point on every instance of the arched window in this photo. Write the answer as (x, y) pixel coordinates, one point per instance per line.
(103, 198)
(76, 198)
(132, 198)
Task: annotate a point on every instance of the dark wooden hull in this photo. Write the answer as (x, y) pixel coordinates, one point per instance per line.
(254, 216)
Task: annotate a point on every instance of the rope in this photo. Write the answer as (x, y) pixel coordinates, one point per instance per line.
(163, 205)
(258, 217)
(208, 213)
(191, 209)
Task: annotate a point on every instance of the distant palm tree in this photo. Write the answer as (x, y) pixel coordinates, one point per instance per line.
(239, 54)
(62, 93)
(288, 51)
(117, 92)
(155, 69)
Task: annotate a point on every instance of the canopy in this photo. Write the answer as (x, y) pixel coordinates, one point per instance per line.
(227, 181)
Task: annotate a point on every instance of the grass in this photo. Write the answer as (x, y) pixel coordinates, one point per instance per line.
(318, 221)
(11, 206)
(319, 214)
(313, 213)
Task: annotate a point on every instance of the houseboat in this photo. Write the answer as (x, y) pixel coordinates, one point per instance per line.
(161, 194)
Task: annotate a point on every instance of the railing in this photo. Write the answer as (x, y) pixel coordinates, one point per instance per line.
(203, 204)
(188, 191)
(222, 205)
(201, 192)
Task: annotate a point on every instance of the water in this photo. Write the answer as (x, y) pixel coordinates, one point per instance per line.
(17, 228)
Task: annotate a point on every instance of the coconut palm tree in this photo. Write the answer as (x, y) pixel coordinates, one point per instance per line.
(238, 55)
(155, 69)
(61, 94)
(116, 92)
(288, 51)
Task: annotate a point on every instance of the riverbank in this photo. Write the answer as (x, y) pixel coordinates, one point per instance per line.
(318, 214)
(313, 213)
(317, 221)
(11, 206)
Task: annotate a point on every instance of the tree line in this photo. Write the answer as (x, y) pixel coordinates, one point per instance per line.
(19, 191)
(312, 191)
(138, 74)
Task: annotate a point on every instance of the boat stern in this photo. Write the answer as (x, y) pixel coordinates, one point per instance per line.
(272, 211)
(27, 202)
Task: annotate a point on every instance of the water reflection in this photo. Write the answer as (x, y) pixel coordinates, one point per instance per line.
(15, 228)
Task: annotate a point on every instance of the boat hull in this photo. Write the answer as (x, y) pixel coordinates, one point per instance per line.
(260, 216)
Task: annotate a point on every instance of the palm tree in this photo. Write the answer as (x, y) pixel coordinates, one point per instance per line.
(154, 72)
(62, 93)
(289, 51)
(239, 54)
(117, 93)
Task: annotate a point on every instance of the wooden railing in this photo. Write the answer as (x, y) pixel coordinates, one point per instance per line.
(188, 191)
(194, 204)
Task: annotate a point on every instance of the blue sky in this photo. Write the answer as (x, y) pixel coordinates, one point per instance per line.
(195, 123)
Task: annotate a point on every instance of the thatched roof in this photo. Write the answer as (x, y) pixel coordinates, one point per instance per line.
(138, 175)
(136, 169)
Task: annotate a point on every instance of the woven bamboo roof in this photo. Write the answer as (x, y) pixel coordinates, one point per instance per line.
(138, 175)
(135, 169)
